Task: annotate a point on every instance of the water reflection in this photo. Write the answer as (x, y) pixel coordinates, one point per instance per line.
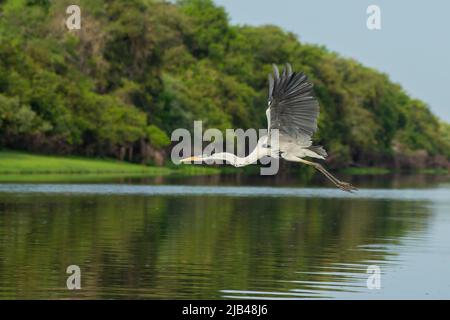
(178, 242)
(440, 194)
(304, 178)
(307, 179)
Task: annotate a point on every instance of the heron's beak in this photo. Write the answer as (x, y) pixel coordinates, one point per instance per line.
(189, 159)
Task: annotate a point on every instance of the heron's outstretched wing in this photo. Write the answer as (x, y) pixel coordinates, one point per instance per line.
(293, 109)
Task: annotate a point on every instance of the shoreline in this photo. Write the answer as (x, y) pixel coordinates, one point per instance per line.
(16, 165)
(22, 164)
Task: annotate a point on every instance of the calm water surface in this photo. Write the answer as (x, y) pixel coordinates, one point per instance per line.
(226, 237)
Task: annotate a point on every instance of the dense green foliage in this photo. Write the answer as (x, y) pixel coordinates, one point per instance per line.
(139, 69)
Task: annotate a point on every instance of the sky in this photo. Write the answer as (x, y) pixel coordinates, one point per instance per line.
(412, 47)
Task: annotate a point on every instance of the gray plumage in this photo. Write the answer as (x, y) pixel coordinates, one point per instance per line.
(293, 107)
(319, 150)
(293, 111)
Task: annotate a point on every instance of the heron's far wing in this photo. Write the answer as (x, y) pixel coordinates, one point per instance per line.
(293, 107)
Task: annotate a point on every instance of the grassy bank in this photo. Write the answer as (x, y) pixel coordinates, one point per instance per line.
(21, 166)
(15, 164)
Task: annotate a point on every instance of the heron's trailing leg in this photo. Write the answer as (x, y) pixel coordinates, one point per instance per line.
(340, 184)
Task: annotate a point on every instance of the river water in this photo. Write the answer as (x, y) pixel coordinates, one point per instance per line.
(226, 237)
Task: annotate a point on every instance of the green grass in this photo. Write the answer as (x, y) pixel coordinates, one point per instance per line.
(20, 165)
(433, 171)
(12, 162)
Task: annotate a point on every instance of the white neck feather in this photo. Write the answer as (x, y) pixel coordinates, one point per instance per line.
(232, 159)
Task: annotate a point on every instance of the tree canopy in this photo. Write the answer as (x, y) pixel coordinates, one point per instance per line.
(138, 69)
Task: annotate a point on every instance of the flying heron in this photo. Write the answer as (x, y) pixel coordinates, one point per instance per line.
(292, 111)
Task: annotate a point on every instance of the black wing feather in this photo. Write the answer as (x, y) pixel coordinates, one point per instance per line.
(293, 106)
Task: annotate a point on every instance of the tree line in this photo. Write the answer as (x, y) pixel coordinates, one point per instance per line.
(138, 69)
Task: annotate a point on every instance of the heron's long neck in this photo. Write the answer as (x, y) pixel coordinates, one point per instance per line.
(228, 157)
(255, 155)
(234, 160)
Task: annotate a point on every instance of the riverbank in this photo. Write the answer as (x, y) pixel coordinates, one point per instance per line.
(22, 166)
(14, 164)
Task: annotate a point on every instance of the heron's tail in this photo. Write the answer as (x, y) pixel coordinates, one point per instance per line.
(319, 150)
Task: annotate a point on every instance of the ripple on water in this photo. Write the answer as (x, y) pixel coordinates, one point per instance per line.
(243, 191)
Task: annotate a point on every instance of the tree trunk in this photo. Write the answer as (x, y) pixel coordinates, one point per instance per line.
(130, 153)
(122, 151)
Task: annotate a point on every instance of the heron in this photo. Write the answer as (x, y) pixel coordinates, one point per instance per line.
(292, 111)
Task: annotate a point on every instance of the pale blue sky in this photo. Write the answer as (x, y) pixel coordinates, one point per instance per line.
(413, 46)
